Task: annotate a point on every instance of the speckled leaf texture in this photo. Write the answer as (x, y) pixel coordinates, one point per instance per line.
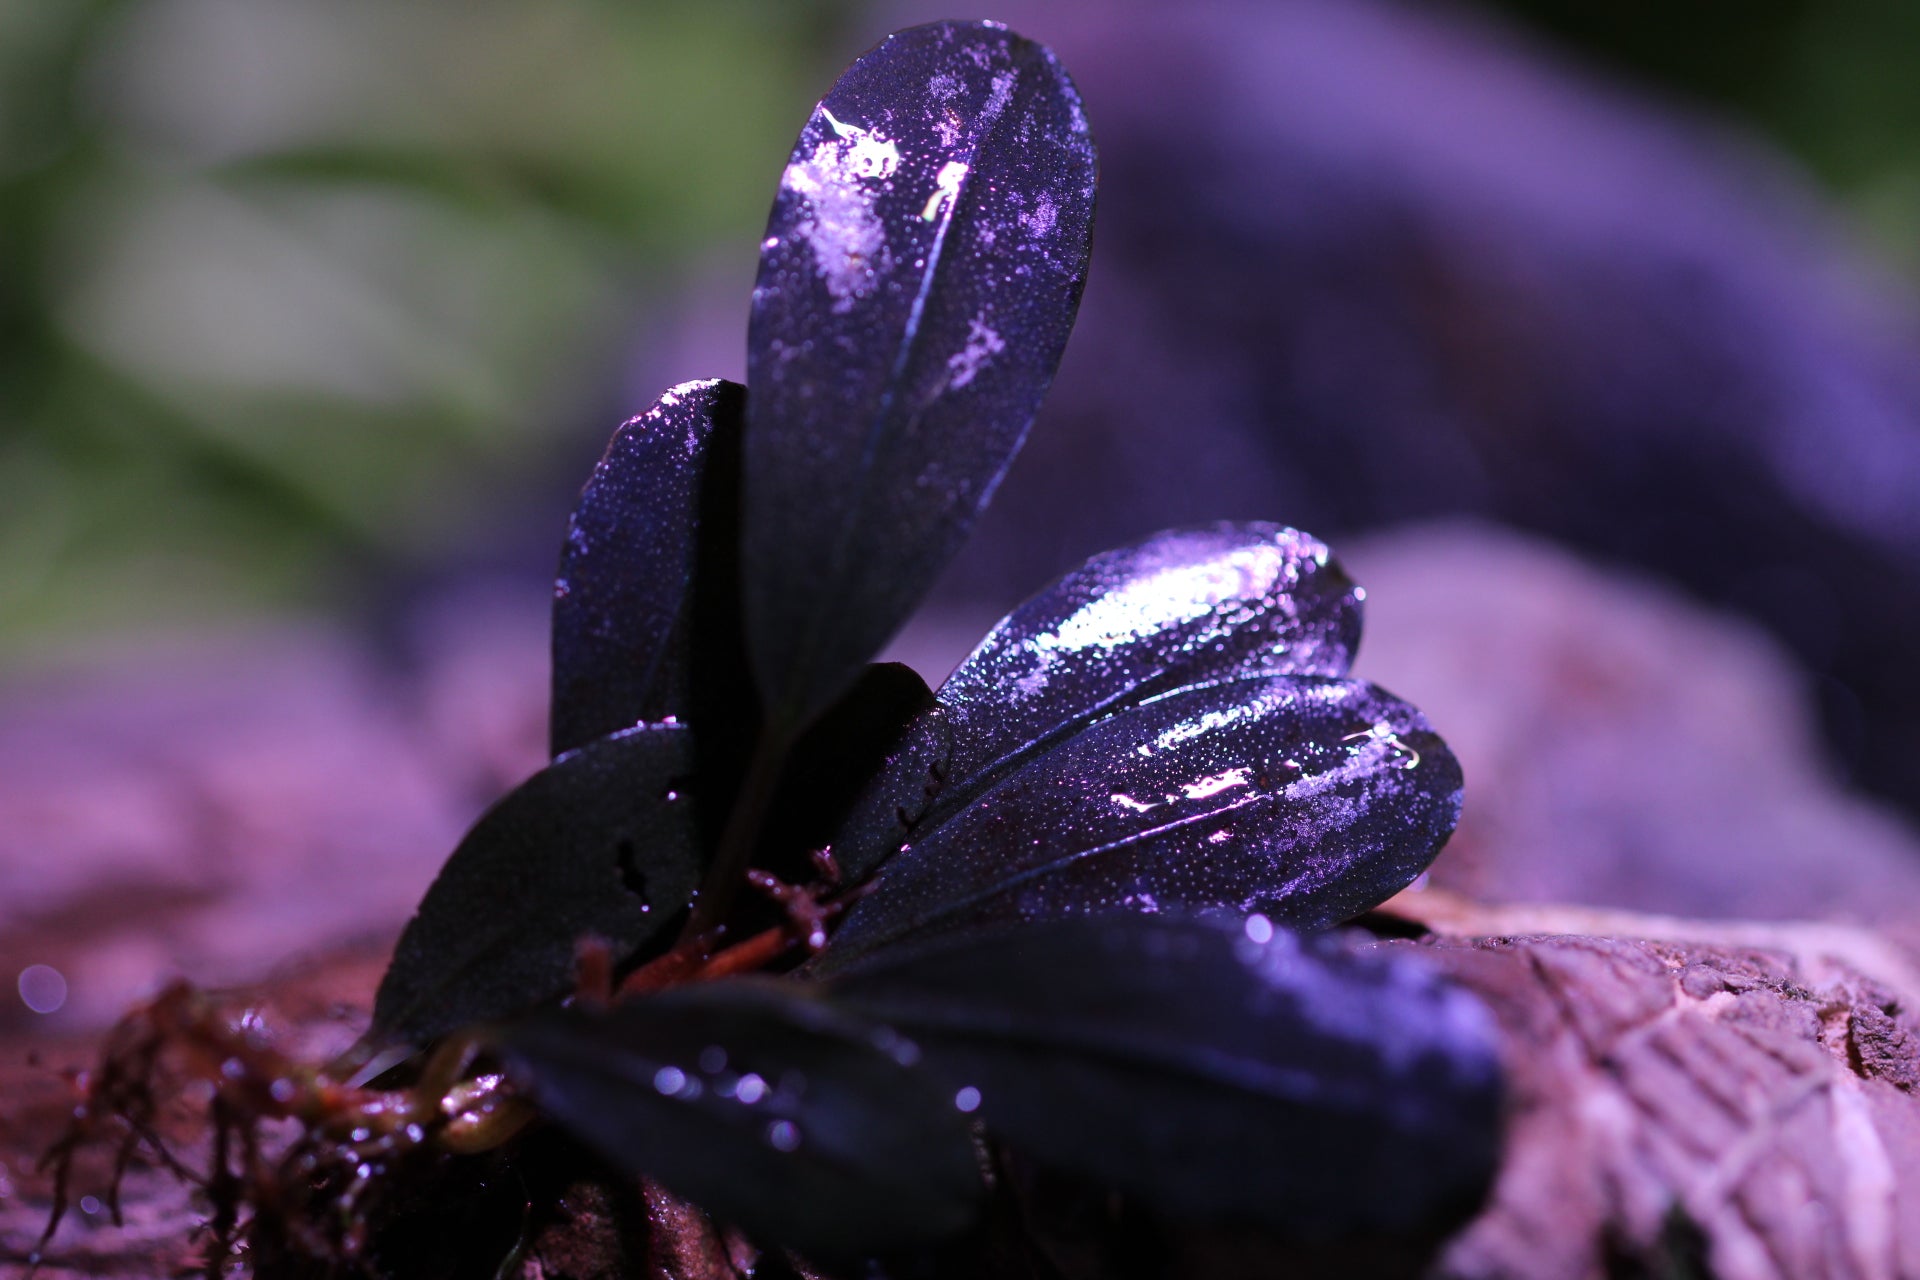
(1308, 798)
(799, 1124)
(599, 844)
(1178, 608)
(919, 277)
(622, 602)
(899, 796)
(1220, 1069)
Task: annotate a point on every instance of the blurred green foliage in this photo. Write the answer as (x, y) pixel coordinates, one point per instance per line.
(284, 283)
(1836, 82)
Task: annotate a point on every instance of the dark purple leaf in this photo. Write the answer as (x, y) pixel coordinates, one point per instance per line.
(919, 276)
(1304, 797)
(846, 757)
(773, 1112)
(622, 604)
(598, 844)
(1179, 608)
(901, 792)
(1221, 1069)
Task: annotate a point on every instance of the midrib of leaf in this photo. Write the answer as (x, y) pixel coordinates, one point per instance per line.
(1002, 886)
(953, 801)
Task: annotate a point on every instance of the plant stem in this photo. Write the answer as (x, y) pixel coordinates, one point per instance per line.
(677, 967)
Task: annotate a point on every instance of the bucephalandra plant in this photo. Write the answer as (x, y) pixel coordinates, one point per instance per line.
(805, 941)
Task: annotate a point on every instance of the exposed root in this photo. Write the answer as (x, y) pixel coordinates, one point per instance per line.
(317, 1188)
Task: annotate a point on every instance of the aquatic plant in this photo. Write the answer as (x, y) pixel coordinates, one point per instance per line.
(802, 939)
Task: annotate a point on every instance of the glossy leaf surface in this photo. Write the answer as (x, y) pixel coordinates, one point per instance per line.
(598, 844)
(1304, 797)
(774, 1113)
(622, 603)
(1217, 1068)
(918, 280)
(1179, 608)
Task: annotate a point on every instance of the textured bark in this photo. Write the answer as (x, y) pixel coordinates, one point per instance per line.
(1691, 1097)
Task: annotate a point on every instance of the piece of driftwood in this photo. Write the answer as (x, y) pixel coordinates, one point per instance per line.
(1688, 1098)
(1691, 1098)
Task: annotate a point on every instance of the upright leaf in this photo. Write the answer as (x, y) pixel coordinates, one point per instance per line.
(918, 279)
(1307, 798)
(783, 1117)
(902, 791)
(601, 843)
(622, 603)
(1178, 608)
(1221, 1069)
(852, 756)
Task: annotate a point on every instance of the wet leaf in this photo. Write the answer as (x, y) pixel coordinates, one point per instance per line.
(1178, 608)
(846, 757)
(1220, 1068)
(622, 603)
(781, 1116)
(900, 794)
(1307, 798)
(919, 276)
(598, 844)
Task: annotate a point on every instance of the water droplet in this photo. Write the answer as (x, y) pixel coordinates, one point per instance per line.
(750, 1089)
(669, 1080)
(233, 1069)
(967, 1100)
(360, 1135)
(43, 988)
(415, 1133)
(1259, 930)
(713, 1059)
(783, 1135)
(89, 1205)
(898, 1047)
